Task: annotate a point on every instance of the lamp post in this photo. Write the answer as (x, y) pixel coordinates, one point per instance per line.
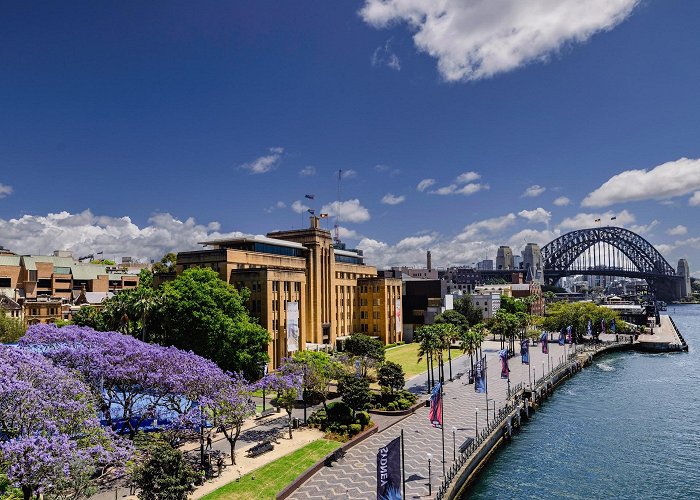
(476, 423)
(454, 443)
(430, 484)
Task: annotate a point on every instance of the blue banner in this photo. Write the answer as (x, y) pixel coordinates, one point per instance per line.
(389, 471)
(479, 378)
(505, 371)
(590, 328)
(562, 336)
(525, 352)
(569, 337)
(435, 414)
(545, 343)
(613, 326)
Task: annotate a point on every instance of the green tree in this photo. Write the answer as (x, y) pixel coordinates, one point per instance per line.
(103, 262)
(145, 278)
(166, 264)
(391, 376)
(466, 308)
(367, 349)
(513, 305)
(318, 370)
(204, 314)
(164, 475)
(429, 344)
(11, 329)
(354, 391)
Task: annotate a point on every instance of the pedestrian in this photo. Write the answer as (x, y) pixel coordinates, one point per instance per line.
(208, 442)
(220, 464)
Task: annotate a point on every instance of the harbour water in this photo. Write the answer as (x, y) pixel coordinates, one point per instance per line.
(627, 427)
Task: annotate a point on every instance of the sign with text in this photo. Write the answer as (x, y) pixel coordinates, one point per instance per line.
(389, 471)
(292, 326)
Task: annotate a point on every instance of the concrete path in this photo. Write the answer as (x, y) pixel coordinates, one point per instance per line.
(354, 476)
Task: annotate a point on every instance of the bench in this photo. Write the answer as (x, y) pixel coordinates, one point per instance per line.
(267, 412)
(260, 448)
(463, 447)
(334, 457)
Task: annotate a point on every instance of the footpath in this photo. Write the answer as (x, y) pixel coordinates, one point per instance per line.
(354, 476)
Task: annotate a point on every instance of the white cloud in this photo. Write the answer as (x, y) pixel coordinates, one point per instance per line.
(307, 171)
(562, 201)
(5, 190)
(643, 228)
(265, 163)
(85, 233)
(390, 199)
(478, 39)
(299, 207)
(465, 190)
(694, 200)
(387, 169)
(425, 184)
(587, 220)
(384, 56)
(347, 211)
(534, 191)
(679, 230)
(278, 205)
(537, 215)
(674, 178)
(493, 225)
(348, 174)
(348, 234)
(664, 248)
(518, 240)
(467, 177)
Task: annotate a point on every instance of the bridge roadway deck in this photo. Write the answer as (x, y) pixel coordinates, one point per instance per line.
(354, 476)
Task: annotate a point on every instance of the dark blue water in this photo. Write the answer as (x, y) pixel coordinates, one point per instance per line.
(626, 427)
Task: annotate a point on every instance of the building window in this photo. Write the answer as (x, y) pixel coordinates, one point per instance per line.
(375, 315)
(5, 282)
(275, 286)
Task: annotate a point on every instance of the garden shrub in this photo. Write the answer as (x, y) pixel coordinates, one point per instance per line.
(355, 429)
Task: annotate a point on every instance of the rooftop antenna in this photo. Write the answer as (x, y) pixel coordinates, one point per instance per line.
(336, 237)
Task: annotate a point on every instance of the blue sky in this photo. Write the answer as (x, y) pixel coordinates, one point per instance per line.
(136, 128)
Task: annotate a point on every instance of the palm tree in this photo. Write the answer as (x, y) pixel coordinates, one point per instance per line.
(427, 345)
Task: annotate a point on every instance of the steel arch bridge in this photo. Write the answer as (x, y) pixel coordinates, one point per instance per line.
(610, 251)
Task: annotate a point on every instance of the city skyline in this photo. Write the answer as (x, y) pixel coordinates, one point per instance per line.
(139, 129)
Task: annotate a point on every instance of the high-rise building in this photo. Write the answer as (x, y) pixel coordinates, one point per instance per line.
(485, 265)
(332, 289)
(532, 262)
(504, 258)
(684, 271)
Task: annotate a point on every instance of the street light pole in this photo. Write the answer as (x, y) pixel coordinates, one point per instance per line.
(454, 444)
(430, 484)
(476, 423)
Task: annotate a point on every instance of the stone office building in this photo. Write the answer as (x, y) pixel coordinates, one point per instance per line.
(335, 292)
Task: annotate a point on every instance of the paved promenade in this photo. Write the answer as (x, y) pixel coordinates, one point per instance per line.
(354, 476)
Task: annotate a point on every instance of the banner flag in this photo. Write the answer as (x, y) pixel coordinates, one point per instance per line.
(292, 326)
(435, 414)
(613, 326)
(562, 336)
(590, 328)
(545, 343)
(389, 471)
(479, 382)
(504, 363)
(569, 337)
(525, 352)
(397, 312)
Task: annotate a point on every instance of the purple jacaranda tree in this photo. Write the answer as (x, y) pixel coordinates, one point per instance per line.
(229, 409)
(287, 382)
(51, 441)
(131, 378)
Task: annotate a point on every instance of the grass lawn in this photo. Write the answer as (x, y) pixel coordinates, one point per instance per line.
(407, 356)
(272, 478)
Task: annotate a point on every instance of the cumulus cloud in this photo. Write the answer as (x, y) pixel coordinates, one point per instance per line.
(694, 200)
(84, 233)
(493, 225)
(467, 177)
(643, 228)
(347, 211)
(348, 234)
(387, 169)
(278, 205)
(348, 174)
(518, 240)
(299, 207)
(384, 56)
(265, 163)
(465, 190)
(534, 191)
(390, 199)
(537, 215)
(5, 190)
(679, 230)
(562, 201)
(472, 40)
(307, 171)
(674, 178)
(425, 184)
(587, 220)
